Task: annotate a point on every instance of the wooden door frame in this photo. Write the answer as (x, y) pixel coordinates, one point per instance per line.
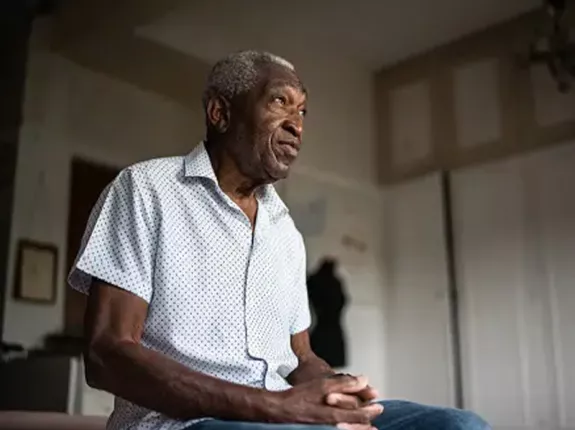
(110, 172)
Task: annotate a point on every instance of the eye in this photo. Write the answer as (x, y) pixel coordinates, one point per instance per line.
(280, 100)
(303, 112)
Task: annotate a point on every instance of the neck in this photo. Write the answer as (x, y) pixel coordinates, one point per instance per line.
(231, 180)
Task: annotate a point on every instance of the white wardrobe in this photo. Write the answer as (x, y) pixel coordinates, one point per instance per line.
(514, 232)
(418, 349)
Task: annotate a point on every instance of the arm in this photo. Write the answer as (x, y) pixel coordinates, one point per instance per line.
(117, 362)
(310, 365)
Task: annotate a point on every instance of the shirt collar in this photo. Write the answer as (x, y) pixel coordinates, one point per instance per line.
(197, 164)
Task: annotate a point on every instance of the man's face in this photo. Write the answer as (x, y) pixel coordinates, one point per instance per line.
(267, 124)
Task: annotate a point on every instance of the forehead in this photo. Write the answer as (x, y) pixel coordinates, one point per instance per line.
(276, 76)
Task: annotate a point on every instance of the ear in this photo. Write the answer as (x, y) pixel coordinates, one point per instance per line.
(218, 113)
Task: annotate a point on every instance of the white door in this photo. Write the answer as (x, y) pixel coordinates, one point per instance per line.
(490, 246)
(515, 246)
(418, 348)
(553, 173)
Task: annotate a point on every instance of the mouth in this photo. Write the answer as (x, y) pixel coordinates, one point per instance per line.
(290, 147)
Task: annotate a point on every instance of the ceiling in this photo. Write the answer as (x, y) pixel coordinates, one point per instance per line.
(369, 32)
(167, 46)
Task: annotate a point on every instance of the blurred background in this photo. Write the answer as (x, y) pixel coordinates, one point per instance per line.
(438, 170)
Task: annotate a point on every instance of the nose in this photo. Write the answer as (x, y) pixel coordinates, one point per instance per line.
(294, 127)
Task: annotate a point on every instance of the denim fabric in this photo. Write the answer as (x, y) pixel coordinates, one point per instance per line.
(398, 415)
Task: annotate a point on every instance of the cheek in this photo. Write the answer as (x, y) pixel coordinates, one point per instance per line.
(267, 130)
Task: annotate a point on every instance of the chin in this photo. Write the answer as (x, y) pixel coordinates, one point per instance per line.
(278, 172)
(277, 167)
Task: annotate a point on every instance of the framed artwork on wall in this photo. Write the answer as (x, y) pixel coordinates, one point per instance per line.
(36, 272)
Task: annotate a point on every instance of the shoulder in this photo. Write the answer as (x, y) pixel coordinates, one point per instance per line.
(155, 171)
(141, 185)
(148, 179)
(292, 237)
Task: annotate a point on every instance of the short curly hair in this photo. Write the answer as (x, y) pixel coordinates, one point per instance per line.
(238, 73)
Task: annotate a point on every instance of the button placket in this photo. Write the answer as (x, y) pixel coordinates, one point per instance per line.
(255, 297)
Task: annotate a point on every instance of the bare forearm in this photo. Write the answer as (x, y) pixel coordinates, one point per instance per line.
(154, 381)
(309, 368)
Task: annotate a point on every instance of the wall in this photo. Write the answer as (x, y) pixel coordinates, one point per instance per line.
(71, 111)
(339, 136)
(326, 212)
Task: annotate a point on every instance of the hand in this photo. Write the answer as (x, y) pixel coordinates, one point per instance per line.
(352, 400)
(307, 404)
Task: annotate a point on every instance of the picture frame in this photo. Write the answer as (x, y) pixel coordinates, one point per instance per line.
(36, 272)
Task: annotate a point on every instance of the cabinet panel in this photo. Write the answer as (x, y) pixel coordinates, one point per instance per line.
(410, 123)
(477, 103)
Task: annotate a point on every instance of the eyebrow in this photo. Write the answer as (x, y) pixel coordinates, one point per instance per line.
(284, 83)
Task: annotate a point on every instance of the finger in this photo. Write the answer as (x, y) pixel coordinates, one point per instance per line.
(352, 417)
(373, 410)
(344, 401)
(363, 415)
(348, 426)
(346, 384)
(368, 394)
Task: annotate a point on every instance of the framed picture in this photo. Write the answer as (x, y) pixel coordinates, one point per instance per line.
(36, 272)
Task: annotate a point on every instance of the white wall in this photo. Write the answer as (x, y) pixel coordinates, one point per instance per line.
(72, 111)
(340, 129)
(325, 212)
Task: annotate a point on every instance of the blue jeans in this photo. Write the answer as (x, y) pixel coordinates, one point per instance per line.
(397, 415)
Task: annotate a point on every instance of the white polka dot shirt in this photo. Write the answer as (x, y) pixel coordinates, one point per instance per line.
(223, 299)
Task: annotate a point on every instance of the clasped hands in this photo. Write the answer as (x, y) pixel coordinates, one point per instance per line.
(355, 394)
(341, 400)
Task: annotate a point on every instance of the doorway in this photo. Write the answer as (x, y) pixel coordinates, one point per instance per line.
(88, 180)
(15, 28)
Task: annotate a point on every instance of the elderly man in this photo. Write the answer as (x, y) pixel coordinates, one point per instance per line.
(197, 313)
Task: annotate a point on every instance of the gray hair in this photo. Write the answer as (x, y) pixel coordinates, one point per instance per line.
(238, 73)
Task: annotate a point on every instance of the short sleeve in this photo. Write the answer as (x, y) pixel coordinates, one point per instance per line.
(119, 242)
(301, 318)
